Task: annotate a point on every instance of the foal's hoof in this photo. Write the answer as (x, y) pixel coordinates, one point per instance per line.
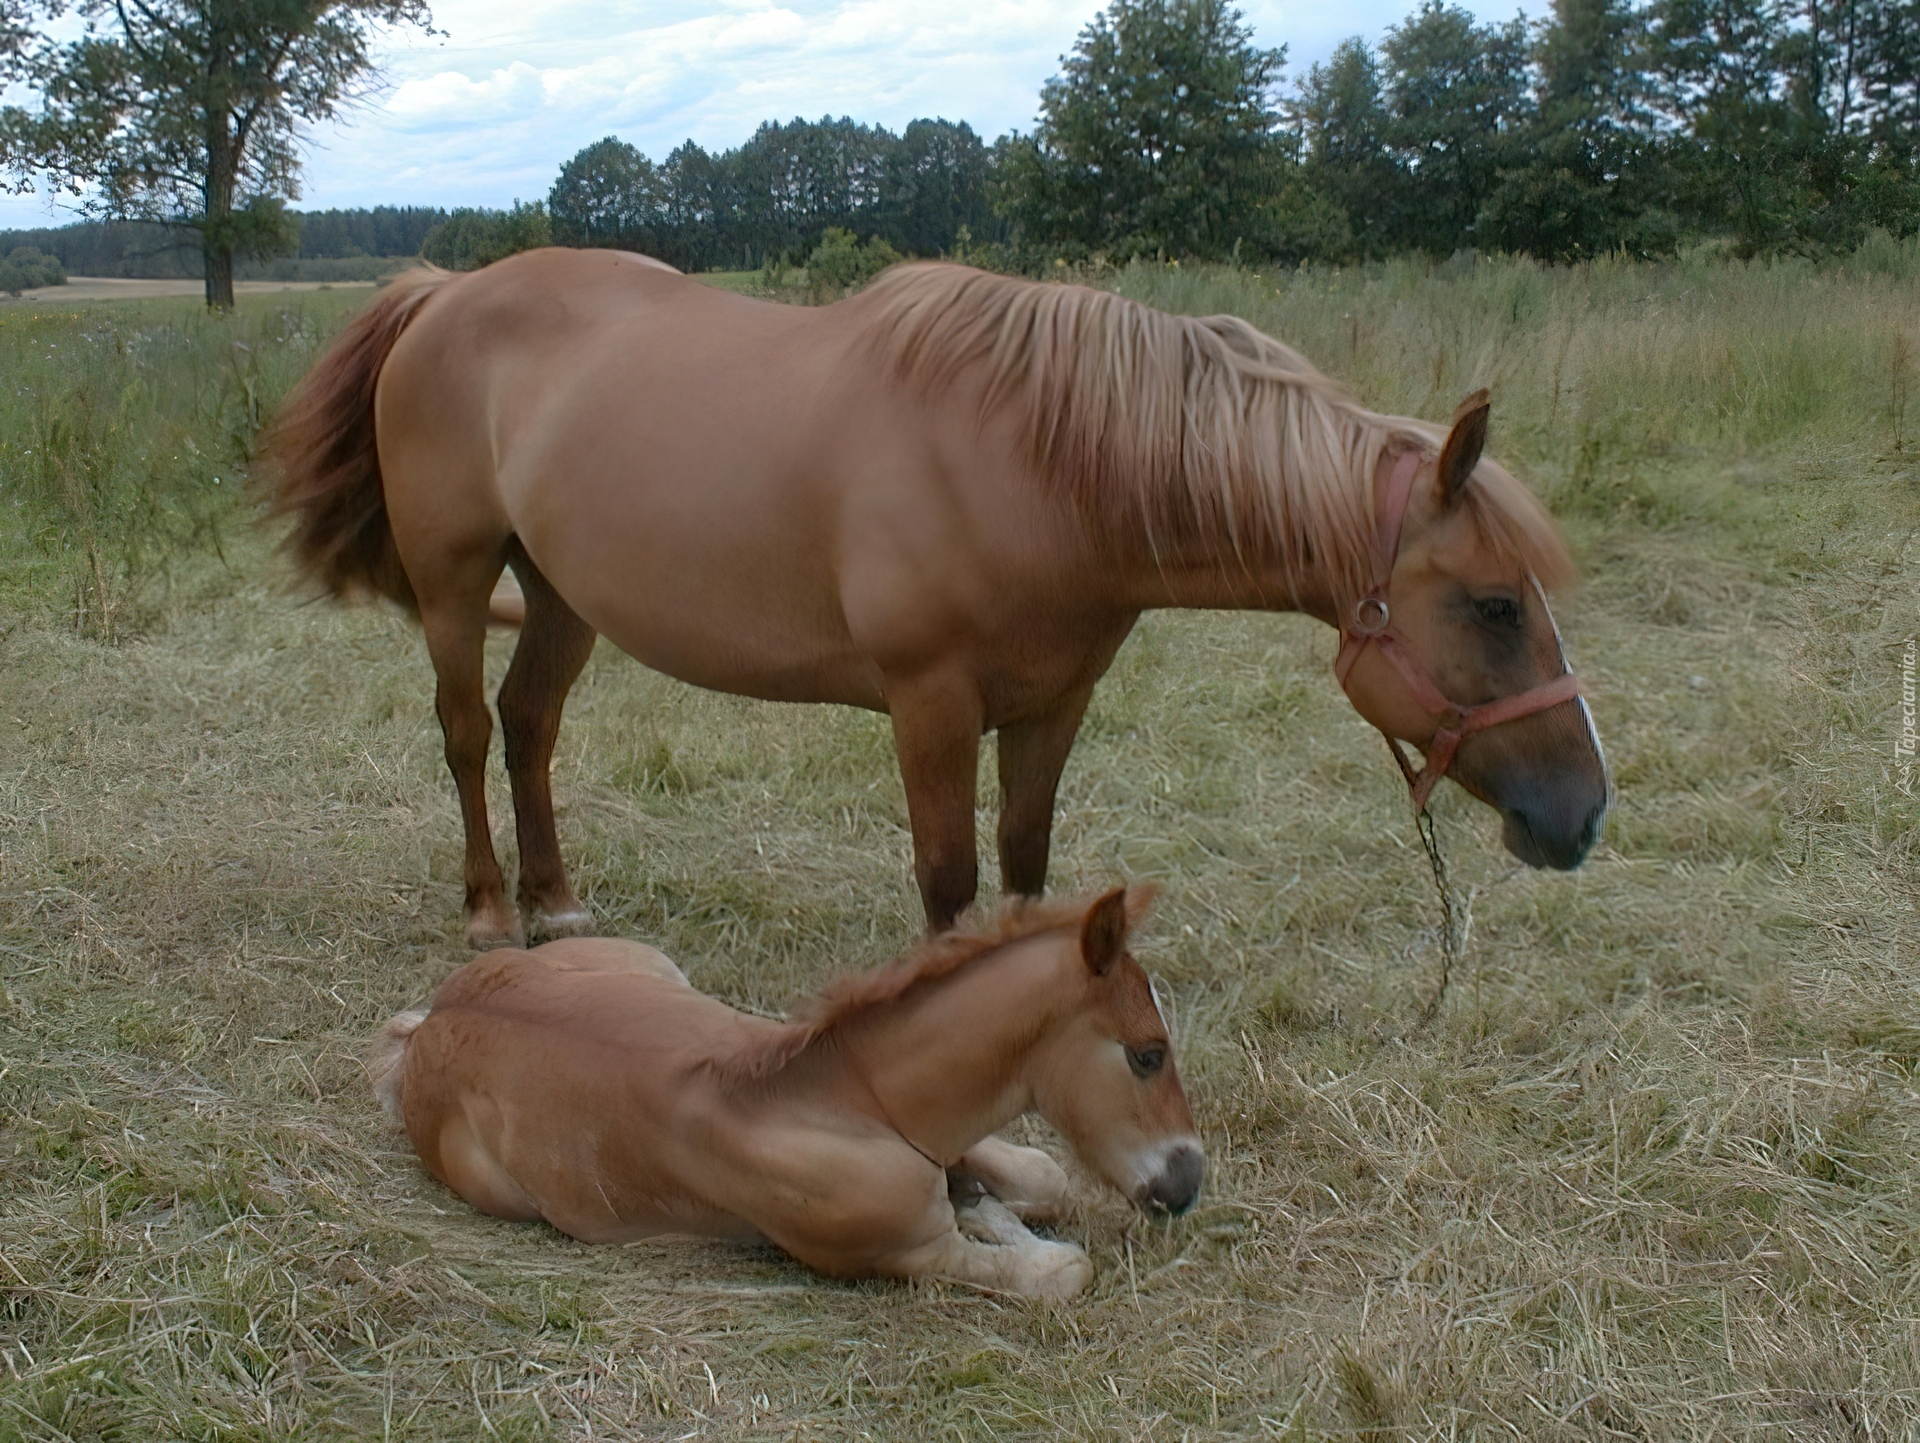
(491, 927)
(545, 926)
(1063, 1273)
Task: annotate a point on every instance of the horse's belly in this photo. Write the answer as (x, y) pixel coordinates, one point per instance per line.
(700, 601)
(637, 1222)
(748, 659)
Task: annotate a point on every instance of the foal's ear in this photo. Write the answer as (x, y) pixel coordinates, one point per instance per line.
(1103, 934)
(1464, 443)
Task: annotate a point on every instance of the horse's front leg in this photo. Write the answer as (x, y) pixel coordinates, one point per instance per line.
(1032, 1185)
(936, 733)
(1033, 753)
(991, 1248)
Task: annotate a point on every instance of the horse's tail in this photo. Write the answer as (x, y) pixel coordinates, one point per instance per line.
(319, 462)
(387, 1060)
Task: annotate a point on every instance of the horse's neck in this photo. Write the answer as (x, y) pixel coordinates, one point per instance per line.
(1223, 583)
(946, 1065)
(1152, 572)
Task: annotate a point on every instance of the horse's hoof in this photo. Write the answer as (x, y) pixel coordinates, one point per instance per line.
(490, 929)
(1066, 1276)
(545, 926)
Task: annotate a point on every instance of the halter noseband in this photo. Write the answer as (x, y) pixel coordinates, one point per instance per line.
(1369, 624)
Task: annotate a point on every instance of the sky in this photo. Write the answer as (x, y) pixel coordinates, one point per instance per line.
(485, 110)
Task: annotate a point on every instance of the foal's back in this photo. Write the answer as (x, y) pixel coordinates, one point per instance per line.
(534, 1069)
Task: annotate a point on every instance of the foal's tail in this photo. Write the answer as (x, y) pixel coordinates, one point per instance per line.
(387, 1059)
(319, 464)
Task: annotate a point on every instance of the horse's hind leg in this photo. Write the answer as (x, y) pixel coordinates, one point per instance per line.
(554, 645)
(454, 617)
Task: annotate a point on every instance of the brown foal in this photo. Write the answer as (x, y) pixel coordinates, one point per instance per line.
(586, 1083)
(947, 498)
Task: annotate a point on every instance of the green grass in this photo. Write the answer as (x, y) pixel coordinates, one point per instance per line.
(125, 434)
(1651, 1173)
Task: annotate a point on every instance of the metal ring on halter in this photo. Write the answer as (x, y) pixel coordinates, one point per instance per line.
(1370, 616)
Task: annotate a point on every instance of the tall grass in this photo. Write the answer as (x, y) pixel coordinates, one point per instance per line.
(1606, 374)
(125, 434)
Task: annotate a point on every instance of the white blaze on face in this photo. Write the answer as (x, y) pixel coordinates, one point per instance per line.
(1560, 649)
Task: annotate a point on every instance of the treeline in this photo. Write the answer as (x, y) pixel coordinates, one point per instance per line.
(1779, 125)
(776, 196)
(1776, 125)
(143, 250)
(1629, 126)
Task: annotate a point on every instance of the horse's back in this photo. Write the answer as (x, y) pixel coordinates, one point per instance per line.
(584, 993)
(543, 1067)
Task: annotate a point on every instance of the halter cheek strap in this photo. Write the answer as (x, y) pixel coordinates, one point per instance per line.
(1370, 624)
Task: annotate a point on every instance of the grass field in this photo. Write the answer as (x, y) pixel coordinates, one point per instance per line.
(1650, 1174)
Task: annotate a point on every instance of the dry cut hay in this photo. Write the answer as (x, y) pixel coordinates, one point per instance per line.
(1651, 1173)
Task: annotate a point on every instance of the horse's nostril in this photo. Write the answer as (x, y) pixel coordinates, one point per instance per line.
(1179, 1181)
(1590, 830)
(1546, 834)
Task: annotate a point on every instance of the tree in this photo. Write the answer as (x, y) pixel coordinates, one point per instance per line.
(1579, 184)
(1744, 142)
(775, 197)
(186, 112)
(26, 268)
(936, 185)
(605, 196)
(469, 239)
(1457, 92)
(1157, 135)
(1340, 115)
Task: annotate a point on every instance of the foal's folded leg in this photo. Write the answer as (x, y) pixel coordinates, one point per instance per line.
(988, 1247)
(1032, 1185)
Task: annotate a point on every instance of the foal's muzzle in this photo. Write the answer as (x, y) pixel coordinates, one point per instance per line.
(1174, 1187)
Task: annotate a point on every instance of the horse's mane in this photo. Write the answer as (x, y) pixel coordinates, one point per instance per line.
(940, 956)
(1185, 431)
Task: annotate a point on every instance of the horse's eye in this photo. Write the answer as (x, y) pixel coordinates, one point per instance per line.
(1145, 1061)
(1498, 611)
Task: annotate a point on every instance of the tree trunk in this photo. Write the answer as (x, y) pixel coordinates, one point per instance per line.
(217, 261)
(216, 230)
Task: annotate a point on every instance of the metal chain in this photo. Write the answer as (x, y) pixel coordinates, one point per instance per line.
(1455, 921)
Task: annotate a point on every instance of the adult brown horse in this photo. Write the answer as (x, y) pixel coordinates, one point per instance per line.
(947, 498)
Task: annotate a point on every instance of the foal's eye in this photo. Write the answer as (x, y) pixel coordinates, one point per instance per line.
(1498, 611)
(1145, 1061)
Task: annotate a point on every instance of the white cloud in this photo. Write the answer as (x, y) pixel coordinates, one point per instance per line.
(487, 111)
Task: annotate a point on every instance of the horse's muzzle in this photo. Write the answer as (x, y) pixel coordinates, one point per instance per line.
(1177, 1184)
(1553, 835)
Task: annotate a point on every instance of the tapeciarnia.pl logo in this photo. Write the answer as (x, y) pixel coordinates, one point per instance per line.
(1904, 739)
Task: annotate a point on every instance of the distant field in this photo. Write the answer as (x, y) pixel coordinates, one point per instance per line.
(114, 288)
(1654, 1172)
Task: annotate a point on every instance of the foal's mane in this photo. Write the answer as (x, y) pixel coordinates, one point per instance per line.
(940, 956)
(1189, 432)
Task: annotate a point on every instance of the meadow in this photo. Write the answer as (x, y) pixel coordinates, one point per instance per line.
(1650, 1172)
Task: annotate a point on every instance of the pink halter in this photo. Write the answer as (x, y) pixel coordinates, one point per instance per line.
(1368, 625)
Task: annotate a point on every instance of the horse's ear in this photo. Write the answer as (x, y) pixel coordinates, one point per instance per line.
(1103, 932)
(1464, 443)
